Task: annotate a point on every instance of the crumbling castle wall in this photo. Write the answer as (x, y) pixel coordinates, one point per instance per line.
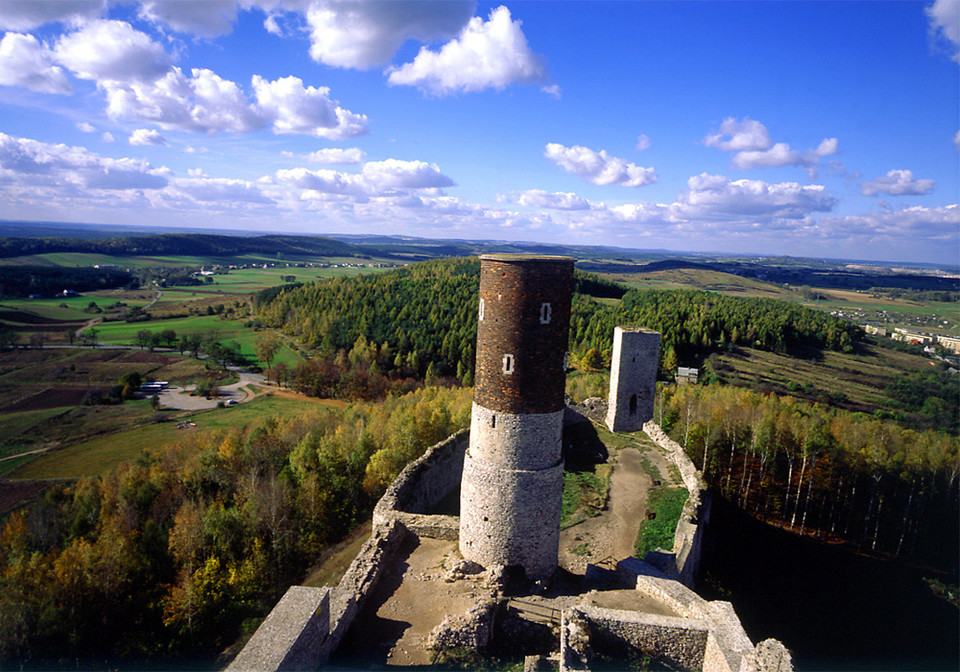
(684, 561)
(633, 378)
(421, 486)
(705, 636)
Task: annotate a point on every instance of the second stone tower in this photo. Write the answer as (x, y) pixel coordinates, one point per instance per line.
(512, 483)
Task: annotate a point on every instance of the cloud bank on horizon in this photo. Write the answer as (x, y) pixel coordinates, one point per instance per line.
(800, 129)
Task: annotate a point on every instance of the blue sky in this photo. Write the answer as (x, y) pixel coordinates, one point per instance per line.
(809, 129)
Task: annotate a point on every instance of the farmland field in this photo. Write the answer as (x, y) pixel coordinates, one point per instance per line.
(99, 455)
(854, 381)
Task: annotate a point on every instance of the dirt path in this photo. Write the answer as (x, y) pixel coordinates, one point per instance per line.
(411, 599)
(613, 533)
(29, 452)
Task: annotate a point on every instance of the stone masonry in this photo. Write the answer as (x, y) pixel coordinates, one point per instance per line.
(513, 470)
(633, 377)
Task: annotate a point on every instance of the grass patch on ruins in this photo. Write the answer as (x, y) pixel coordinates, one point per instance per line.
(585, 384)
(584, 494)
(659, 531)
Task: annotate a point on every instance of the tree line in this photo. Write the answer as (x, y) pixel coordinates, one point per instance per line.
(822, 471)
(180, 244)
(167, 557)
(23, 281)
(425, 314)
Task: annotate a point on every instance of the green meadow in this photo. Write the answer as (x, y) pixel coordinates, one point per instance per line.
(100, 455)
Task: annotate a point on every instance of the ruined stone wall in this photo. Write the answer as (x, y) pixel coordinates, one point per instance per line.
(704, 636)
(423, 483)
(688, 539)
(376, 555)
(633, 378)
(291, 636)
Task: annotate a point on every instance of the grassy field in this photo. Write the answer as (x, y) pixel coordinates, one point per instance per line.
(694, 278)
(101, 454)
(853, 381)
(858, 307)
(41, 393)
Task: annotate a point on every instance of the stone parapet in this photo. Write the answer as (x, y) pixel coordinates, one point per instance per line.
(688, 537)
(706, 637)
(426, 481)
(291, 636)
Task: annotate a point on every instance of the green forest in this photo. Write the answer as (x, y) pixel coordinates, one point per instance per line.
(170, 557)
(422, 321)
(821, 471)
(22, 281)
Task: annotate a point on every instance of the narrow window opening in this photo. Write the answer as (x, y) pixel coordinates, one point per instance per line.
(508, 364)
(546, 312)
(493, 420)
(480, 313)
(633, 404)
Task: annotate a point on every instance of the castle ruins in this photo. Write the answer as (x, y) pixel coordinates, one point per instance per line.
(509, 467)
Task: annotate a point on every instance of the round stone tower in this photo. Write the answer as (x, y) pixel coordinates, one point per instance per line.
(513, 470)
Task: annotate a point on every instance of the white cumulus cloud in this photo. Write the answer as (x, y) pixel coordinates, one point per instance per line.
(391, 178)
(486, 54)
(754, 148)
(939, 223)
(716, 194)
(203, 102)
(897, 183)
(26, 62)
(367, 33)
(29, 14)
(598, 167)
(143, 136)
(30, 162)
(944, 18)
(112, 50)
(537, 198)
(336, 156)
(643, 142)
(398, 174)
(738, 136)
(85, 127)
(293, 108)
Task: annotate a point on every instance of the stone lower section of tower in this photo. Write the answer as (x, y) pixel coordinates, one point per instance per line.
(510, 494)
(633, 378)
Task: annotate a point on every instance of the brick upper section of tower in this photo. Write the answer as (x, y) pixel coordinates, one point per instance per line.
(522, 332)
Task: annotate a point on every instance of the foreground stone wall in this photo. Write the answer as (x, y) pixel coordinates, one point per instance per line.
(292, 635)
(684, 561)
(704, 636)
